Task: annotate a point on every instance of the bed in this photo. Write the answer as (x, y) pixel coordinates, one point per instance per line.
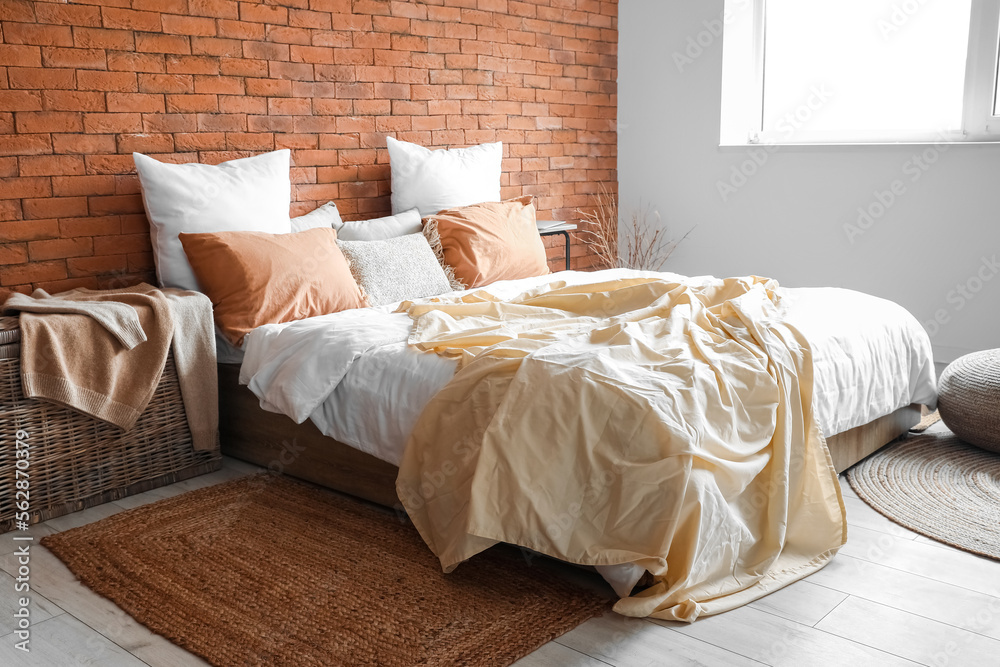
(873, 371)
(860, 419)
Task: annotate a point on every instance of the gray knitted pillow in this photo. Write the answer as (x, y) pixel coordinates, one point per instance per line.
(391, 270)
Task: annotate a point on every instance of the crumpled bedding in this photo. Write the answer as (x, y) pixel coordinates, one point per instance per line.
(641, 420)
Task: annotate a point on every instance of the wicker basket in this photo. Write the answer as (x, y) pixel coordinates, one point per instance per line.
(77, 461)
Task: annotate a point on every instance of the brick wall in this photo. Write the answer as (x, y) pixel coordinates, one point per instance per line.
(83, 84)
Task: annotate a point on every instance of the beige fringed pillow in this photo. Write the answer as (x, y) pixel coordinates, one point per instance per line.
(487, 242)
(395, 269)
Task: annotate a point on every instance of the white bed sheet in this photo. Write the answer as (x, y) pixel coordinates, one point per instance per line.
(354, 376)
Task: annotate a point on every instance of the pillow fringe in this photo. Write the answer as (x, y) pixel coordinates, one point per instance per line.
(434, 239)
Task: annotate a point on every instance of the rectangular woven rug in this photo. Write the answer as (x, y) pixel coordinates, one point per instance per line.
(269, 570)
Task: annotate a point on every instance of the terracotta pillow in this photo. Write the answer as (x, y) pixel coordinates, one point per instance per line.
(487, 242)
(256, 278)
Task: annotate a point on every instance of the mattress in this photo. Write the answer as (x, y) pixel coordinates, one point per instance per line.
(355, 377)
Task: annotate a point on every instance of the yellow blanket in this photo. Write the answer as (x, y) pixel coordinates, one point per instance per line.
(638, 420)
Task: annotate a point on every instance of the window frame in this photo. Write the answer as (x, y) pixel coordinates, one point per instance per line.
(743, 86)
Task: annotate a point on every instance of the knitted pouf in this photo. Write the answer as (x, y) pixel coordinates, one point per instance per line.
(969, 398)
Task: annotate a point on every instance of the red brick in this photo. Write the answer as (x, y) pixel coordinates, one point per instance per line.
(149, 43)
(57, 286)
(41, 78)
(110, 164)
(74, 15)
(289, 106)
(286, 35)
(112, 123)
(192, 103)
(20, 55)
(114, 17)
(93, 226)
(115, 204)
(99, 38)
(200, 141)
(109, 245)
(13, 253)
(192, 65)
(170, 122)
(74, 58)
(71, 186)
(222, 85)
(95, 266)
(71, 100)
(240, 30)
(83, 144)
(37, 34)
(48, 121)
(60, 248)
(263, 14)
(166, 83)
(17, 10)
(25, 230)
(51, 165)
(222, 9)
(20, 100)
(216, 46)
(144, 143)
(118, 82)
(136, 62)
(188, 25)
(19, 274)
(136, 102)
(215, 122)
(54, 207)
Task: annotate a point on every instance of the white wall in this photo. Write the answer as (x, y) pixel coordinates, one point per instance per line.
(788, 220)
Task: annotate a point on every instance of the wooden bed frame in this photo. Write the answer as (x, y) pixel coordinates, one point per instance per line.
(276, 442)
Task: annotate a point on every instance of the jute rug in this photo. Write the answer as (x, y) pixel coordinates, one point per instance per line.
(267, 570)
(926, 422)
(938, 486)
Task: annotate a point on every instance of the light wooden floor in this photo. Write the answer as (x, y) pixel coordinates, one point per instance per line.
(890, 597)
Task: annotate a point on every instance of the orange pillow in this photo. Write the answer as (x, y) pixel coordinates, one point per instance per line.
(487, 242)
(256, 278)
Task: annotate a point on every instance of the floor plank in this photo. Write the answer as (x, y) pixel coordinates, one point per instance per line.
(64, 640)
(39, 608)
(915, 637)
(779, 642)
(802, 602)
(932, 599)
(948, 565)
(625, 642)
(860, 514)
(557, 655)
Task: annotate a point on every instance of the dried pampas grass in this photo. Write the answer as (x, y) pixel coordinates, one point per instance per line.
(639, 241)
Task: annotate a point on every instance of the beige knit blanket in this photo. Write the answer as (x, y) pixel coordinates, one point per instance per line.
(103, 352)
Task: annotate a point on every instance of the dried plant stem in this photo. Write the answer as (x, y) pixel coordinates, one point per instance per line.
(639, 241)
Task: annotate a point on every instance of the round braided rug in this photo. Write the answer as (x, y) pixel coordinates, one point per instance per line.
(938, 486)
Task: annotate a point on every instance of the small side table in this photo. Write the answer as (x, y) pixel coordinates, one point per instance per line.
(550, 228)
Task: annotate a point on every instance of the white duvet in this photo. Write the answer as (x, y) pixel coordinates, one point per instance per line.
(353, 374)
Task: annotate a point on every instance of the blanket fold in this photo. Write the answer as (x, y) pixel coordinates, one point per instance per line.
(638, 420)
(102, 352)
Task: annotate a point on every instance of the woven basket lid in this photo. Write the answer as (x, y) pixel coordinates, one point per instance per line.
(10, 331)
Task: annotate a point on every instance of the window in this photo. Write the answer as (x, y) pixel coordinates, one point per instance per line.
(860, 71)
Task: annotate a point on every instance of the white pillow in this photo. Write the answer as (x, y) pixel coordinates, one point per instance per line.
(247, 195)
(432, 181)
(391, 226)
(326, 215)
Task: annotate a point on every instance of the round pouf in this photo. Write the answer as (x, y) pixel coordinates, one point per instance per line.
(969, 398)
